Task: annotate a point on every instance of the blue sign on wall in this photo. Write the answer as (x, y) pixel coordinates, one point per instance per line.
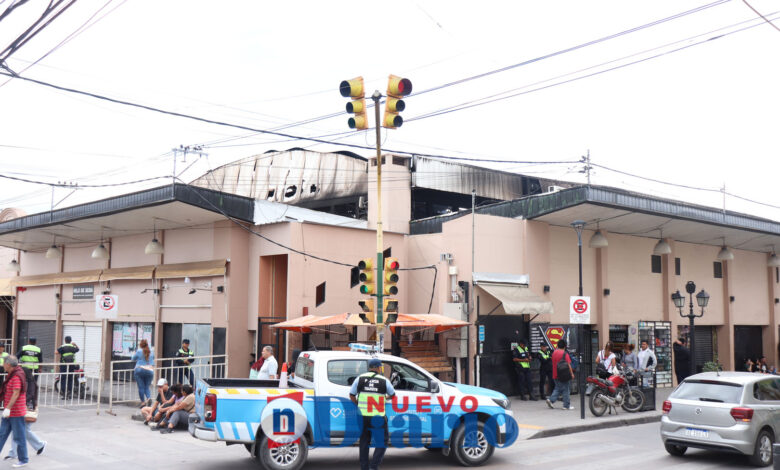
(482, 332)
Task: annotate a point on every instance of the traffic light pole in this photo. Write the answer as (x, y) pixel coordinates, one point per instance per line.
(380, 262)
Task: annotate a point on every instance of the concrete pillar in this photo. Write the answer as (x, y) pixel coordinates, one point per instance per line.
(771, 335)
(600, 315)
(726, 332)
(667, 288)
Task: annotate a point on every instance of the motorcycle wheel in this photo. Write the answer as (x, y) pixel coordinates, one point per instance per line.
(633, 401)
(598, 404)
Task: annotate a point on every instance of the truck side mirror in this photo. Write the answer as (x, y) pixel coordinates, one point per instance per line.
(434, 386)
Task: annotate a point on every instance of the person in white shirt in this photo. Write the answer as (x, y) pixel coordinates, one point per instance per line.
(647, 361)
(268, 371)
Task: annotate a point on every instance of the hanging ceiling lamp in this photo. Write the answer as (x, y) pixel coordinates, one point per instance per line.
(14, 266)
(598, 240)
(154, 247)
(100, 252)
(724, 253)
(662, 248)
(53, 252)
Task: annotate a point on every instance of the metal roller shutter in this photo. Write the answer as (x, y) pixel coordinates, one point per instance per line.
(703, 346)
(89, 338)
(44, 332)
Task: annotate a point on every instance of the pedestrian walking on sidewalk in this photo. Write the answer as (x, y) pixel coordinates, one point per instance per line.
(35, 442)
(14, 398)
(522, 359)
(562, 376)
(545, 370)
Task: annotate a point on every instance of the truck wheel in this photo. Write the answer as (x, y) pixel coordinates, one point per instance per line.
(286, 457)
(471, 456)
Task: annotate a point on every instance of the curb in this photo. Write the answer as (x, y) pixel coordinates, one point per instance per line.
(604, 424)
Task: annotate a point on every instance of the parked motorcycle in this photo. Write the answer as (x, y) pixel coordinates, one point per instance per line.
(608, 394)
(79, 386)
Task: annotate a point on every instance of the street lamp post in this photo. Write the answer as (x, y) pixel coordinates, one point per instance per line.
(702, 298)
(578, 225)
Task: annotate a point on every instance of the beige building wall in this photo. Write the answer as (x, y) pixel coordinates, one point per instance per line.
(629, 267)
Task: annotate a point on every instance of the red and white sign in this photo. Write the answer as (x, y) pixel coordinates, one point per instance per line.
(107, 306)
(579, 309)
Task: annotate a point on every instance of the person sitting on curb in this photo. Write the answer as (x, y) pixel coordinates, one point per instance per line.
(159, 418)
(180, 412)
(164, 399)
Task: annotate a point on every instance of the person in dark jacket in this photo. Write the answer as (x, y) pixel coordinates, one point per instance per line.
(545, 369)
(682, 359)
(67, 353)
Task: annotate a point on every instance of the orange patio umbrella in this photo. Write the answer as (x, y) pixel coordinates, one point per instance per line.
(427, 320)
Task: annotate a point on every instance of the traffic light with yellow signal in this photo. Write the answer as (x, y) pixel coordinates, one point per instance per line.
(397, 88)
(368, 314)
(366, 277)
(390, 274)
(354, 89)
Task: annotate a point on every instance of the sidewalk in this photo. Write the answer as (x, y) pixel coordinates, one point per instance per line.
(536, 420)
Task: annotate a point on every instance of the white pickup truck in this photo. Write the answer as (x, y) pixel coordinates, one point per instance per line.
(463, 421)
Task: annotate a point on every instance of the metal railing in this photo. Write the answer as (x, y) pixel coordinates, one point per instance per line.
(123, 387)
(65, 385)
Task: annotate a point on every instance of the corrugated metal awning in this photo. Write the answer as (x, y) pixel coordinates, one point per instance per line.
(197, 269)
(135, 272)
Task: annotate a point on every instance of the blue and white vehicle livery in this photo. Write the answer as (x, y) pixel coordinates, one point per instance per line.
(465, 422)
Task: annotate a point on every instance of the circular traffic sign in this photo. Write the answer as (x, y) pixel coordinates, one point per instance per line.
(580, 306)
(106, 302)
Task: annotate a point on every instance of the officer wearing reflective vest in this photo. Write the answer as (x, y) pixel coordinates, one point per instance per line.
(67, 353)
(3, 354)
(184, 363)
(370, 392)
(522, 359)
(545, 369)
(29, 358)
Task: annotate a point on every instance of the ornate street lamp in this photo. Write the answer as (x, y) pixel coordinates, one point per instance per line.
(702, 299)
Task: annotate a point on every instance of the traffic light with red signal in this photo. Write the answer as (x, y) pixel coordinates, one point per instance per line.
(390, 274)
(397, 88)
(354, 89)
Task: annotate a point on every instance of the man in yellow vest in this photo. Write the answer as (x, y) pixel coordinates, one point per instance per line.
(522, 359)
(29, 358)
(67, 353)
(370, 392)
(545, 369)
(3, 354)
(184, 362)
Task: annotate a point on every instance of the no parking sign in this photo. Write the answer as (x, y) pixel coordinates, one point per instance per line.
(107, 306)
(579, 310)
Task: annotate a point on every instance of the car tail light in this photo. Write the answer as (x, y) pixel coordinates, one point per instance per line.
(210, 407)
(742, 414)
(667, 406)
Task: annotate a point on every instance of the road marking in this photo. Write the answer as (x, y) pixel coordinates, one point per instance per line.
(529, 426)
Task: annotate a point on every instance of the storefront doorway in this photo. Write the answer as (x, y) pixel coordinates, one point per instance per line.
(748, 343)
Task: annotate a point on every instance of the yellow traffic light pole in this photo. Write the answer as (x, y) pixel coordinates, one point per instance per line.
(380, 262)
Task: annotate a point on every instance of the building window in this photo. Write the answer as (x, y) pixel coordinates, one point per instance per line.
(354, 277)
(320, 294)
(677, 266)
(655, 263)
(717, 268)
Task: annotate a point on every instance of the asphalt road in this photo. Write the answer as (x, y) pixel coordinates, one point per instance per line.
(82, 439)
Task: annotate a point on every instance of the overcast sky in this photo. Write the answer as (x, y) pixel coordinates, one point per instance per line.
(704, 115)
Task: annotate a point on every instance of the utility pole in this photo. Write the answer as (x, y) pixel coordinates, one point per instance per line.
(586, 160)
(380, 262)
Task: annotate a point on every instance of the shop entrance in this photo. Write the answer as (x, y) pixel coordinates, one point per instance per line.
(496, 369)
(748, 343)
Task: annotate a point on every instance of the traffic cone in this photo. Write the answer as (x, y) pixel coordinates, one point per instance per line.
(283, 377)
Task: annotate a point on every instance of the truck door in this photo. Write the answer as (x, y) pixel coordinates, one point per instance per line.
(414, 401)
(340, 373)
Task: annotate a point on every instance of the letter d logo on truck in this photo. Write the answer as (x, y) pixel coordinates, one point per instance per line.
(283, 419)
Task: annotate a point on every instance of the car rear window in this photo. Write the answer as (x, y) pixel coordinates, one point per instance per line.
(708, 390)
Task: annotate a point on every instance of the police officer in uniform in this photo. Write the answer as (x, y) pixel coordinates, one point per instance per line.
(369, 390)
(522, 359)
(185, 355)
(545, 369)
(3, 354)
(67, 353)
(29, 358)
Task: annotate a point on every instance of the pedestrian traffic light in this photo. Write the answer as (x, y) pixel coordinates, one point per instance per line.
(354, 89)
(368, 315)
(397, 88)
(389, 286)
(367, 285)
(390, 310)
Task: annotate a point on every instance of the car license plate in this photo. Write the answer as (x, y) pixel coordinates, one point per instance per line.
(82, 380)
(700, 433)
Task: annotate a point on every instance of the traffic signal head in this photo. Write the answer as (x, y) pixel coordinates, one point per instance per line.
(368, 315)
(390, 276)
(352, 88)
(390, 310)
(397, 88)
(366, 276)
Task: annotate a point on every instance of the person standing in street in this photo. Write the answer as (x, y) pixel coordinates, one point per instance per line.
(522, 359)
(370, 392)
(545, 370)
(270, 366)
(184, 363)
(37, 444)
(30, 357)
(67, 353)
(562, 377)
(682, 360)
(14, 399)
(647, 362)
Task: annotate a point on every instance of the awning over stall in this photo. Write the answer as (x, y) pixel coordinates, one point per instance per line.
(74, 277)
(136, 272)
(6, 289)
(513, 293)
(198, 269)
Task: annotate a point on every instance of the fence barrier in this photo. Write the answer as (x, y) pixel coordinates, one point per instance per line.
(123, 387)
(65, 385)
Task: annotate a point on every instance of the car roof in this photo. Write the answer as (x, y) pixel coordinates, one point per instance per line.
(741, 378)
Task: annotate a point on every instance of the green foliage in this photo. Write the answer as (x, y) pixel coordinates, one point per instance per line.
(711, 367)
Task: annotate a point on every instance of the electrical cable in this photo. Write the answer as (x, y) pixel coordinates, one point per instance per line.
(759, 14)
(66, 185)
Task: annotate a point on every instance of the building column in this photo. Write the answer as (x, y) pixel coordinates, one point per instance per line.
(668, 285)
(771, 336)
(726, 332)
(58, 318)
(601, 302)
